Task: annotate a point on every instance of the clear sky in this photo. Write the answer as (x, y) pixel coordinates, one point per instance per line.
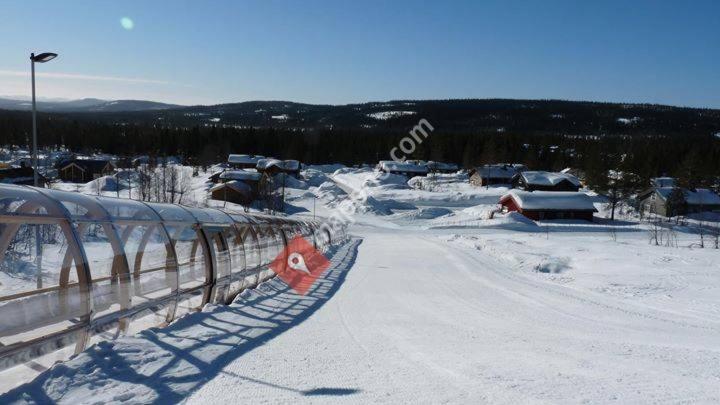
(214, 51)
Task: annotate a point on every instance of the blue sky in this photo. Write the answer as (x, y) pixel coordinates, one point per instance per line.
(213, 51)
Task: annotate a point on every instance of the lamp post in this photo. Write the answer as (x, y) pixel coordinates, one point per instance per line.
(41, 58)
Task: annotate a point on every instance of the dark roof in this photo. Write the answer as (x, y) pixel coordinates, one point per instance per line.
(92, 165)
(18, 175)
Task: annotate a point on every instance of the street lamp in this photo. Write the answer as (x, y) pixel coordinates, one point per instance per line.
(41, 58)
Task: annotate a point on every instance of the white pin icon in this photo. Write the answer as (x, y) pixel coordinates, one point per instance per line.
(296, 262)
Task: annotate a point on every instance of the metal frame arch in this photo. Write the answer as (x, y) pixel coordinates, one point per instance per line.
(85, 284)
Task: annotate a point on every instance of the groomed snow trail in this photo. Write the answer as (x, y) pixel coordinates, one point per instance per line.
(407, 316)
(424, 321)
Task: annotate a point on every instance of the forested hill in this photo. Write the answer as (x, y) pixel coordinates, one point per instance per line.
(465, 116)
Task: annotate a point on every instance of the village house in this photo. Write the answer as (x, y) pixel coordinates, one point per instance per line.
(442, 167)
(545, 181)
(84, 170)
(541, 205)
(502, 173)
(272, 167)
(244, 161)
(673, 201)
(407, 168)
(23, 175)
(235, 191)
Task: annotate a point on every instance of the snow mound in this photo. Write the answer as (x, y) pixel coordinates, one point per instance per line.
(427, 213)
(391, 181)
(327, 169)
(481, 211)
(371, 205)
(105, 183)
(314, 178)
(329, 191)
(289, 182)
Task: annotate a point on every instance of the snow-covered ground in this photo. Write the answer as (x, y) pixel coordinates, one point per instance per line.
(437, 299)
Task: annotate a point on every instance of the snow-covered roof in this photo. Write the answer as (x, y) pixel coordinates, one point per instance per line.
(700, 196)
(432, 165)
(548, 178)
(393, 166)
(287, 165)
(242, 175)
(500, 171)
(663, 182)
(244, 159)
(235, 185)
(551, 200)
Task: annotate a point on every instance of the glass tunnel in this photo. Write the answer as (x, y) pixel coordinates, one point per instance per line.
(76, 269)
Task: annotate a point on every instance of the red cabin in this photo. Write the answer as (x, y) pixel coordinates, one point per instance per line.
(540, 205)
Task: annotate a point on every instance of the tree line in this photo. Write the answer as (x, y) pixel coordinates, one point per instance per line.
(694, 158)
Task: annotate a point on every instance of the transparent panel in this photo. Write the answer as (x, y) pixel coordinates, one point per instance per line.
(40, 294)
(106, 262)
(193, 266)
(172, 213)
(153, 273)
(79, 206)
(210, 215)
(127, 209)
(22, 200)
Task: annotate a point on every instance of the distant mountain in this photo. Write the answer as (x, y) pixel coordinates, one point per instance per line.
(541, 117)
(84, 105)
(459, 115)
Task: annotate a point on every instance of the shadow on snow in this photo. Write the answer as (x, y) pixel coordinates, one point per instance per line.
(166, 365)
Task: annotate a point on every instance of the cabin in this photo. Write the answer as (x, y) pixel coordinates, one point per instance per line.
(234, 191)
(673, 201)
(84, 170)
(272, 167)
(545, 181)
(23, 175)
(244, 161)
(442, 167)
(542, 205)
(407, 168)
(495, 174)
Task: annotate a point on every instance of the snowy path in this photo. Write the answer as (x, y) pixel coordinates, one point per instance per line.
(419, 320)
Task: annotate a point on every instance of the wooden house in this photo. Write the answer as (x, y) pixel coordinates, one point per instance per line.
(673, 201)
(495, 174)
(541, 205)
(545, 181)
(407, 168)
(84, 170)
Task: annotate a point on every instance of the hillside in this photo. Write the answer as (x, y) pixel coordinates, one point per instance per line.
(471, 115)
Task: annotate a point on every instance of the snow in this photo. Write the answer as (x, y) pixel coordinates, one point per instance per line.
(386, 115)
(700, 196)
(281, 117)
(629, 121)
(541, 178)
(438, 299)
(551, 200)
(244, 175)
(246, 159)
(500, 171)
(390, 166)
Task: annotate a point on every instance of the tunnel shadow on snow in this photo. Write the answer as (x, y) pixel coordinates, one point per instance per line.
(195, 349)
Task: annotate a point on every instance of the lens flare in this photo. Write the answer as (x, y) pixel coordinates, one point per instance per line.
(127, 23)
